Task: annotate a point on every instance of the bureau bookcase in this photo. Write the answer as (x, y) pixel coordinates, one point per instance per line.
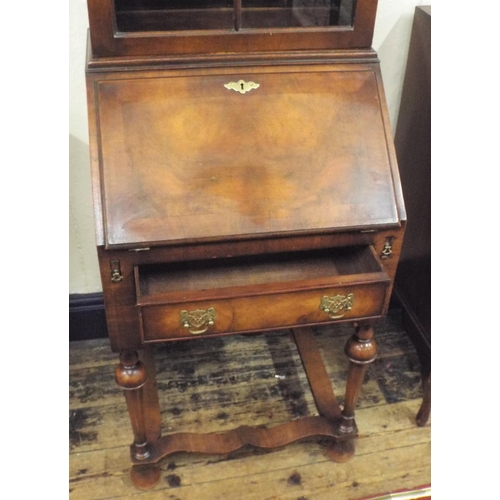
(244, 180)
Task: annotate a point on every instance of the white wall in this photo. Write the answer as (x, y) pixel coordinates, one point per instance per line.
(391, 41)
(83, 267)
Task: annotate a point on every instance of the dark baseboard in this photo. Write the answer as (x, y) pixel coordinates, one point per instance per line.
(87, 319)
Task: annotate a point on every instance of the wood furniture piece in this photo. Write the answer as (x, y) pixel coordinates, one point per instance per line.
(244, 180)
(413, 148)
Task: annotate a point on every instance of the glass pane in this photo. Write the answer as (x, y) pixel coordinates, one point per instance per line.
(173, 15)
(296, 13)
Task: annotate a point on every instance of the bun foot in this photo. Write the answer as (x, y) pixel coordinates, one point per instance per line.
(145, 477)
(341, 451)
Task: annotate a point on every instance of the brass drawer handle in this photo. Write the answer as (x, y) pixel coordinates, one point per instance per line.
(336, 304)
(241, 86)
(198, 321)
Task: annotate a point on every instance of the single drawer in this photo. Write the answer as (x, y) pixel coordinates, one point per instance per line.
(259, 292)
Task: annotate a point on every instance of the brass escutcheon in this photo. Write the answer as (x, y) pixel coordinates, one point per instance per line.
(334, 305)
(241, 86)
(198, 321)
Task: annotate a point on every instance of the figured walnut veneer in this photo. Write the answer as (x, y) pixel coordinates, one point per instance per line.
(185, 158)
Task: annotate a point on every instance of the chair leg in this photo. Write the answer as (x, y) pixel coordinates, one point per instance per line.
(425, 408)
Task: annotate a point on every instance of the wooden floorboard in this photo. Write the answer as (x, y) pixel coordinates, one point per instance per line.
(219, 384)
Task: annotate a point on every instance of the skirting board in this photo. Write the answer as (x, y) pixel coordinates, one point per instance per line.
(87, 319)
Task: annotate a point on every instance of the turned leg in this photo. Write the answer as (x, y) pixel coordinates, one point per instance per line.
(361, 349)
(150, 396)
(131, 376)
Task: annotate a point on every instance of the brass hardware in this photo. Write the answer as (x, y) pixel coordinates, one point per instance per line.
(116, 273)
(387, 250)
(198, 321)
(241, 86)
(334, 305)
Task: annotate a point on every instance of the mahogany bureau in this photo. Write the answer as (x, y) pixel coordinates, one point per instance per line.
(244, 180)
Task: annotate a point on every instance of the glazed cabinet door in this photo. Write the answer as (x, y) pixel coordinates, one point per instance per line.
(178, 15)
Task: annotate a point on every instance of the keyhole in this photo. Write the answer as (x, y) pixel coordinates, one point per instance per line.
(242, 86)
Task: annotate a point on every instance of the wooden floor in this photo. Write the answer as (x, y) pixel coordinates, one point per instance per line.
(215, 385)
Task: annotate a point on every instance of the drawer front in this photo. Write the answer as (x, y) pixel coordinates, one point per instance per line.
(264, 312)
